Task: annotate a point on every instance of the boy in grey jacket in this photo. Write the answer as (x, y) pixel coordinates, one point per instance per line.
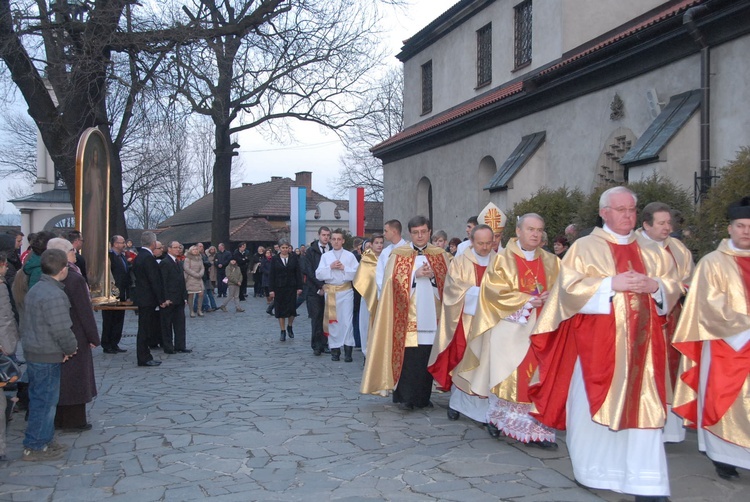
(47, 343)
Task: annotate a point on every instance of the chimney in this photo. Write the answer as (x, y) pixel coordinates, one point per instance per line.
(244, 184)
(304, 179)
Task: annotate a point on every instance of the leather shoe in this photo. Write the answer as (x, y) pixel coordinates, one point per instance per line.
(405, 406)
(151, 363)
(492, 430)
(118, 349)
(80, 428)
(544, 445)
(453, 414)
(317, 352)
(169, 351)
(110, 351)
(726, 471)
(184, 351)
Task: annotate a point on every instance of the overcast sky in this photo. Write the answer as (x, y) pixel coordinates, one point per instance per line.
(313, 149)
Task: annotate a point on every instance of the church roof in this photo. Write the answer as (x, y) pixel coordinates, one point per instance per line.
(269, 199)
(537, 89)
(58, 196)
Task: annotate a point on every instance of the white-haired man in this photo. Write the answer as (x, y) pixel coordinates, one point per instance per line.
(602, 354)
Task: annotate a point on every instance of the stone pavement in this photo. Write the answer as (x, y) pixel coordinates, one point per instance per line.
(246, 417)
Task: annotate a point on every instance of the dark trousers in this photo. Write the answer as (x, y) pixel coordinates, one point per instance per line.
(112, 323)
(355, 319)
(415, 383)
(257, 282)
(243, 286)
(173, 320)
(221, 287)
(147, 330)
(315, 306)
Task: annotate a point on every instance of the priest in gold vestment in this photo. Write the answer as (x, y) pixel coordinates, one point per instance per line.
(460, 296)
(713, 334)
(499, 362)
(656, 228)
(603, 354)
(406, 321)
(364, 283)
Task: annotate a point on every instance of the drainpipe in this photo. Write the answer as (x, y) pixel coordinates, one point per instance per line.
(688, 20)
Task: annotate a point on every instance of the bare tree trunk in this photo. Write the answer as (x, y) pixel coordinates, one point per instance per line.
(222, 185)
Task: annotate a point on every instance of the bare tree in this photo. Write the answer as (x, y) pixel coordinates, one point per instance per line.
(382, 117)
(18, 147)
(69, 48)
(306, 63)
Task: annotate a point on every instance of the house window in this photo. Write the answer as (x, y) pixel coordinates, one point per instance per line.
(427, 87)
(522, 33)
(484, 55)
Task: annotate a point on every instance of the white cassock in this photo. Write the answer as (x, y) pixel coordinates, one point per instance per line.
(383, 262)
(426, 311)
(463, 246)
(340, 332)
(364, 325)
(474, 407)
(627, 461)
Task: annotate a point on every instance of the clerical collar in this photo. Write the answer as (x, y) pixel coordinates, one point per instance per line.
(483, 261)
(735, 248)
(621, 239)
(661, 243)
(529, 255)
(419, 250)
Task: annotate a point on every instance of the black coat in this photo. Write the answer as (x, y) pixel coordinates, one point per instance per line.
(310, 265)
(120, 273)
(173, 279)
(285, 277)
(148, 290)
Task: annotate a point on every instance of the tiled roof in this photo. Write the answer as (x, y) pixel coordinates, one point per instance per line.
(449, 115)
(373, 214)
(674, 10)
(269, 199)
(247, 229)
(58, 195)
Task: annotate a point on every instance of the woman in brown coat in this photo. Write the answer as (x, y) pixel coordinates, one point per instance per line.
(77, 381)
(193, 269)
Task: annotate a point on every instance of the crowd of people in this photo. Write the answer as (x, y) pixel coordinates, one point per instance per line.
(612, 335)
(622, 343)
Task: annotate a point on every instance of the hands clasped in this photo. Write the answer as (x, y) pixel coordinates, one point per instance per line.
(634, 282)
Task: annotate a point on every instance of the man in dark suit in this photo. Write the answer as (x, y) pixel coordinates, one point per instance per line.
(148, 295)
(315, 298)
(75, 238)
(113, 320)
(223, 257)
(175, 294)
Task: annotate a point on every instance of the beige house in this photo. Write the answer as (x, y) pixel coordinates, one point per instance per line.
(503, 97)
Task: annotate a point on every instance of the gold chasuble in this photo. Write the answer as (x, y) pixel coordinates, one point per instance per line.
(497, 357)
(683, 260)
(450, 342)
(717, 307)
(623, 354)
(364, 281)
(395, 325)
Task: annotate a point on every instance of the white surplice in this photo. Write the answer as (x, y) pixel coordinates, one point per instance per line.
(340, 332)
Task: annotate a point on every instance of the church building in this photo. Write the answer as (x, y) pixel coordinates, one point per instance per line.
(503, 97)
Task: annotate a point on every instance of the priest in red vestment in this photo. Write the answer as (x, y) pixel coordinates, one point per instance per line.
(603, 354)
(712, 334)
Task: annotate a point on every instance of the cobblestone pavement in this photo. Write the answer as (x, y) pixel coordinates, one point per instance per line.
(246, 417)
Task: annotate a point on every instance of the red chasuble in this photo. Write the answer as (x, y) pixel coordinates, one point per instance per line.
(726, 375)
(448, 359)
(592, 339)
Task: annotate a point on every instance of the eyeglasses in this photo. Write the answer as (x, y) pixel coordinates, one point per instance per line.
(623, 210)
